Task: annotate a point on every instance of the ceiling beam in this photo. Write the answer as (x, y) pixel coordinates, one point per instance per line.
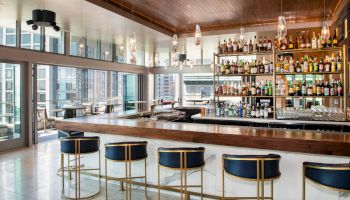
(127, 13)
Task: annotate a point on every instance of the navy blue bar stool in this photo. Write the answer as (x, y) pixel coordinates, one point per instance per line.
(332, 176)
(182, 159)
(259, 168)
(127, 152)
(78, 146)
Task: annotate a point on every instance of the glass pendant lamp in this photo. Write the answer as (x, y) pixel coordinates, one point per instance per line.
(198, 35)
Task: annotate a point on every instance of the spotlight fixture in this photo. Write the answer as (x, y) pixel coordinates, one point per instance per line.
(45, 18)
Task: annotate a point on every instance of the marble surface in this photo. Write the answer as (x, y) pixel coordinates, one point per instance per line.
(287, 187)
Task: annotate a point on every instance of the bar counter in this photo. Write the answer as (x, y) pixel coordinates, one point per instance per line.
(289, 140)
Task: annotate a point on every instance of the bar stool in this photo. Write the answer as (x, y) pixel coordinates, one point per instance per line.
(259, 168)
(77, 146)
(182, 159)
(127, 152)
(332, 176)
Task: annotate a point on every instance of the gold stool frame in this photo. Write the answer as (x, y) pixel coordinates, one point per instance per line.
(260, 194)
(324, 186)
(128, 178)
(77, 169)
(183, 174)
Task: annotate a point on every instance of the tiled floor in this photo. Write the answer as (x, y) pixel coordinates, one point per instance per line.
(31, 174)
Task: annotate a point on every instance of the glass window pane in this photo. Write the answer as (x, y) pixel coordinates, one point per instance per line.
(30, 38)
(166, 86)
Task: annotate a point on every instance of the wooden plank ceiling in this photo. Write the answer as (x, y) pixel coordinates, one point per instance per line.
(180, 16)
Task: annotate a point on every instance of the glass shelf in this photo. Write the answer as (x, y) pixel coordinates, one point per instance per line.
(244, 53)
(303, 73)
(280, 96)
(244, 96)
(269, 74)
(308, 50)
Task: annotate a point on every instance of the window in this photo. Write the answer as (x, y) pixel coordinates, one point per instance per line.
(9, 74)
(166, 86)
(9, 85)
(9, 97)
(198, 86)
(41, 85)
(42, 73)
(41, 97)
(26, 39)
(11, 40)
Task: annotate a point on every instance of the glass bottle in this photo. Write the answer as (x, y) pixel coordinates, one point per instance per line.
(335, 39)
(307, 40)
(314, 41)
(269, 44)
(291, 44)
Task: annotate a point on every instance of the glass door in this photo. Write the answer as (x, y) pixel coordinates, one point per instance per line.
(11, 126)
(129, 92)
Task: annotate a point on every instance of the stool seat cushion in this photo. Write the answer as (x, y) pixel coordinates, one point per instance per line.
(87, 144)
(331, 175)
(62, 133)
(245, 166)
(170, 157)
(116, 151)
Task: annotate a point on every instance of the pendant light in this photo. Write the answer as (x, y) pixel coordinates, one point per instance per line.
(241, 35)
(325, 28)
(282, 25)
(198, 35)
(174, 43)
(82, 39)
(132, 40)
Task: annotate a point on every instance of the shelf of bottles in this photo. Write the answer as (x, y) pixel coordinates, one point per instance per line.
(309, 78)
(241, 79)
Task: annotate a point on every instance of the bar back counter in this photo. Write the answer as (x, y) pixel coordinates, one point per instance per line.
(295, 146)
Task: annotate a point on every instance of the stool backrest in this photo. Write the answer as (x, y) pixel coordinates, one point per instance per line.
(80, 145)
(252, 167)
(181, 158)
(126, 151)
(335, 176)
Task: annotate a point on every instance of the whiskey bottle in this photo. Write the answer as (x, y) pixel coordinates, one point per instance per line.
(234, 46)
(269, 44)
(291, 44)
(297, 41)
(313, 41)
(302, 40)
(250, 46)
(307, 42)
(335, 39)
(229, 46)
(260, 44)
(265, 44)
(256, 46)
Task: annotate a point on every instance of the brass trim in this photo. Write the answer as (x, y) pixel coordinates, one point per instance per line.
(250, 159)
(127, 144)
(328, 168)
(180, 151)
(171, 168)
(123, 161)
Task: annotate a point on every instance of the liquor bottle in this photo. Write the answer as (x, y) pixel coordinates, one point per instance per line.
(303, 88)
(224, 49)
(261, 111)
(253, 89)
(335, 88)
(298, 67)
(258, 90)
(260, 44)
(302, 40)
(314, 88)
(291, 44)
(276, 43)
(256, 45)
(234, 46)
(246, 68)
(319, 89)
(245, 47)
(283, 44)
(310, 90)
(291, 66)
(297, 86)
(269, 44)
(253, 112)
(219, 48)
(319, 41)
(229, 46)
(315, 65)
(257, 111)
(340, 88)
(327, 65)
(305, 65)
(313, 41)
(329, 42)
(250, 46)
(327, 88)
(310, 64)
(335, 39)
(320, 65)
(297, 41)
(266, 111)
(307, 41)
(291, 89)
(265, 44)
(339, 64)
(270, 89)
(333, 65)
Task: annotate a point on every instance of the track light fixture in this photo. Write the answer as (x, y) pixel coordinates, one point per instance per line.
(45, 18)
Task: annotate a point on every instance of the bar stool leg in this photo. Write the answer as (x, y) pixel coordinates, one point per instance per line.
(271, 189)
(304, 187)
(158, 180)
(263, 180)
(99, 168)
(258, 180)
(129, 179)
(62, 172)
(201, 183)
(146, 178)
(223, 179)
(106, 175)
(76, 176)
(69, 171)
(126, 180)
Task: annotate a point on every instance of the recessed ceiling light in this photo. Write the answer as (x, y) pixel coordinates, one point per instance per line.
(188, 6)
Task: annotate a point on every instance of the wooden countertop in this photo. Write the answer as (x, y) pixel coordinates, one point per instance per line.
(327, 143)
